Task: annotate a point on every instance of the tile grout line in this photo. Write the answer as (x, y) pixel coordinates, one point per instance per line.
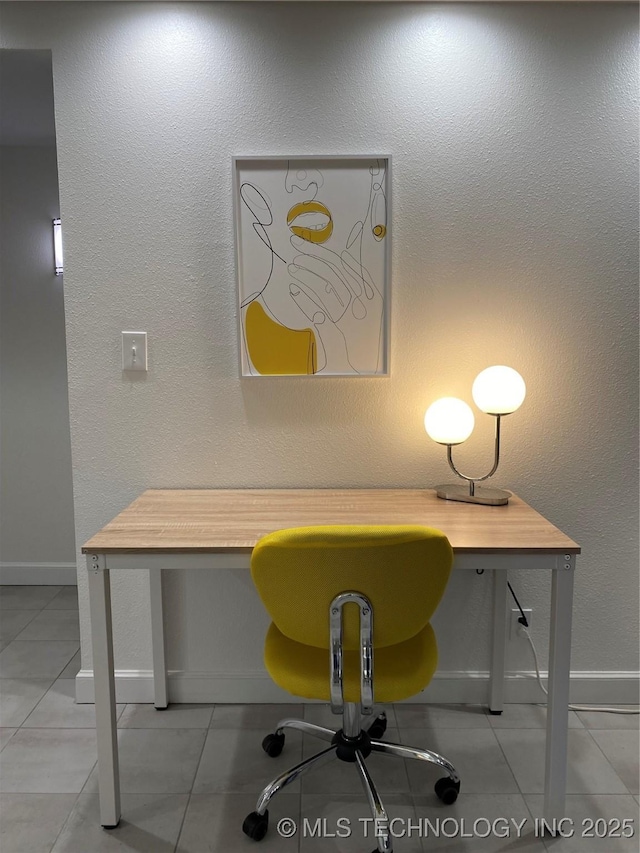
(601, 751)
(195, 776)
(66, 820)
(186, 809)
(405, 761)
(507, 762)
(46, 693)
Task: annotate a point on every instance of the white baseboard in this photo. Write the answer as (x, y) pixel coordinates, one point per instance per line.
(38, 574)
(597, 688)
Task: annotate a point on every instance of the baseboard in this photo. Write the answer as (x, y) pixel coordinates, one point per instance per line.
(38, 574)
(597, 688)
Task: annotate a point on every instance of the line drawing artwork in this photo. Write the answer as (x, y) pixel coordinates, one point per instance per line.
(313, 242)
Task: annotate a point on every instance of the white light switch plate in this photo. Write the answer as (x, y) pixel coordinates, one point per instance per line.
(134, 350)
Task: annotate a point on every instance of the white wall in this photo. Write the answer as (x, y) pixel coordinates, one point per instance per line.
(36, 514)
(513, 130)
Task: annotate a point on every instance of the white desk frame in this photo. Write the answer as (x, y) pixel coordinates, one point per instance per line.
(562, 567)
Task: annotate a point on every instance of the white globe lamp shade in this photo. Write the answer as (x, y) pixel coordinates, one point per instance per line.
(498, 390)
(449, 421)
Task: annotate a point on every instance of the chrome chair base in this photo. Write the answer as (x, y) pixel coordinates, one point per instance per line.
(352, 744)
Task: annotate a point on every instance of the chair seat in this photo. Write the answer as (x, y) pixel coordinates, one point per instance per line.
(400, 670)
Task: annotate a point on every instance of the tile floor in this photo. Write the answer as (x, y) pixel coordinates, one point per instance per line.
(190, 774)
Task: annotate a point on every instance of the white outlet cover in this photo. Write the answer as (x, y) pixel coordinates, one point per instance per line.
(134, 351)
(515, 625)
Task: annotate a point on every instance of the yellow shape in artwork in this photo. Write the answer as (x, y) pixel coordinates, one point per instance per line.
(275, 349)
(311, 220)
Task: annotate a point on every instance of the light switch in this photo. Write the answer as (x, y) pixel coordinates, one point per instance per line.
(134, 350)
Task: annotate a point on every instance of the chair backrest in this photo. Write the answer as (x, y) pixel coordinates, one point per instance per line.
(402, 569)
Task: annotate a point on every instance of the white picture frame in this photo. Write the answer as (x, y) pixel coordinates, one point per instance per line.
(313, 252)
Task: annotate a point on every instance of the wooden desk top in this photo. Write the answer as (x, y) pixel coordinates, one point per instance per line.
(232, 520)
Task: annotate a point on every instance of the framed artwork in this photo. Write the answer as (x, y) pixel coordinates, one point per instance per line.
(313, 262)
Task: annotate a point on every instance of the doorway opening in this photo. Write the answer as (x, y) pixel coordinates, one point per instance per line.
(37, 539)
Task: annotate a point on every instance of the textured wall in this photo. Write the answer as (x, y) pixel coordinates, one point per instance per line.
(36, 515)
(513, 131)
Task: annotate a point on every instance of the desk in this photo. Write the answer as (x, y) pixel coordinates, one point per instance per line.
(217, 529)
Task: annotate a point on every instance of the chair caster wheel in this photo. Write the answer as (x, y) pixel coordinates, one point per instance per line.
(447, 790)
(378, 727)
(273, 745)
(255, 825)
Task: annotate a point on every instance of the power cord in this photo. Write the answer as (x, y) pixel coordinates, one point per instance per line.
(522, 619)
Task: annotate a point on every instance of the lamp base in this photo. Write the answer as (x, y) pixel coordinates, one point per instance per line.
(483, 494)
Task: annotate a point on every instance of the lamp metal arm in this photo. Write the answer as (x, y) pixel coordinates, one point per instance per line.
(473, 480)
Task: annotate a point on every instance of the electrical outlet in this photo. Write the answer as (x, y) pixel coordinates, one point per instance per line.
(515, 625)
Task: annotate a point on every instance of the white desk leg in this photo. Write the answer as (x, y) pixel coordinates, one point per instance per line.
(499, 641)
(555, 776)
(157, 640)
(105, 693)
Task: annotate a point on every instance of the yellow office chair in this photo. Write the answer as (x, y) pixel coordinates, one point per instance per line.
(337, 595)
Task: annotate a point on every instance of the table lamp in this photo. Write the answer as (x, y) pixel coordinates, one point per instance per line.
(496, 391)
